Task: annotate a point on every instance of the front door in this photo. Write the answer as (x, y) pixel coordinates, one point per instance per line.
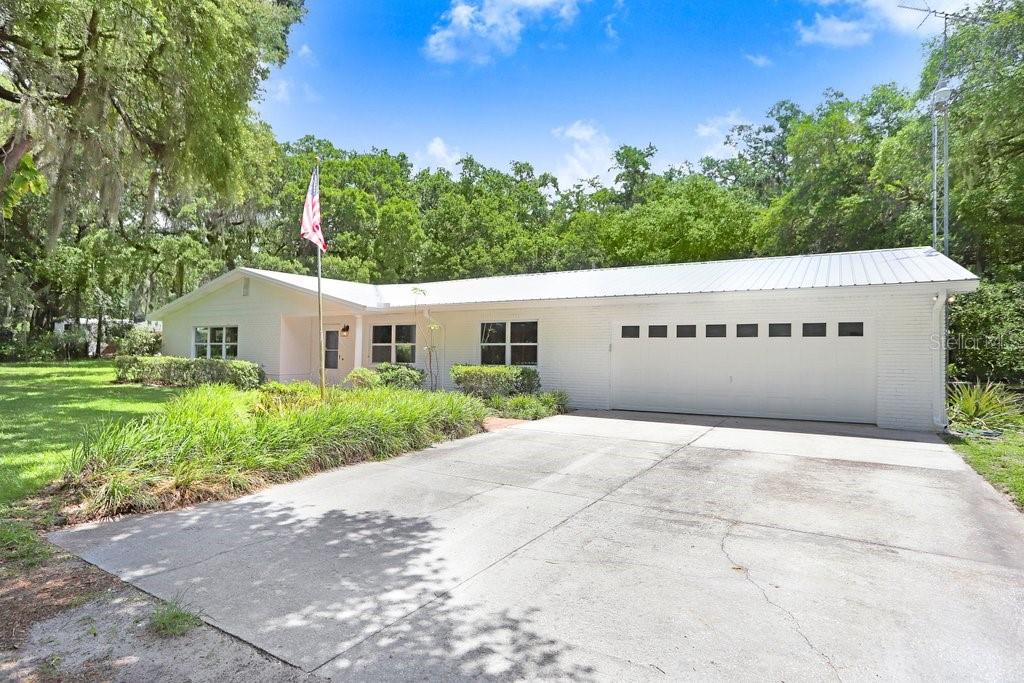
(332, 355)
(339, 352)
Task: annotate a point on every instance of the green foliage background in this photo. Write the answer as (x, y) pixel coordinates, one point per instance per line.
(134, 169)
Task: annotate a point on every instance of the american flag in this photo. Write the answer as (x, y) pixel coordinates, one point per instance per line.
(310, 229)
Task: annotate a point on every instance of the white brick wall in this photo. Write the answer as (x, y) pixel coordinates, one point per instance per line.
(575, 337)
(258, 317)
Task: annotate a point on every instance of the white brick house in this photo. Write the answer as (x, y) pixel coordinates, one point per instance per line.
(853, 337)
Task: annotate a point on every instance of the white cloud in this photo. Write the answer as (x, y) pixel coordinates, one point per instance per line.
(854, 22)
(281, 90)
(310, 94)
(835, 32)
(306, 54)
(590, 154)
(441, 155)
(611, 31)
(714, 131)
(477, 30)
(760, 61)
(889, 13)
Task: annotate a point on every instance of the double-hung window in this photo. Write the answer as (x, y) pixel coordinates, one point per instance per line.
(508, 343)
(393, 344)
(215, 342)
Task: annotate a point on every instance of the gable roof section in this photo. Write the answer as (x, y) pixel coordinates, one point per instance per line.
(352, 294)
(879, 267)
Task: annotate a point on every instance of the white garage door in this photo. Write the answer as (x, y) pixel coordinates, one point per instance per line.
(823, 370)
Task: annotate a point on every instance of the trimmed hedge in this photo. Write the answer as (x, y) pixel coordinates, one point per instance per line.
(495, 380)
(400, 376)
(363, 378)
(386, 375)
(530, 406)
(172, 371)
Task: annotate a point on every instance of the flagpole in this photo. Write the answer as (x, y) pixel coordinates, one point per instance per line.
(320, 306)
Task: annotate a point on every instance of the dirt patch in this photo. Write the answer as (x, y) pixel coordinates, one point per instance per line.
(108, 638)
(493, 424)
(45, 591)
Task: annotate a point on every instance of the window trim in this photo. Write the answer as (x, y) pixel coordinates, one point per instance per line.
(508, 343)
(211, 344)
(660, 328)
(623, 328)
(393, 345)
(788, 327)
(687, 327)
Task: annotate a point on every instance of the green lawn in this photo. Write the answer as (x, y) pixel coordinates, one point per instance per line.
(1001, 461)
(46, 407)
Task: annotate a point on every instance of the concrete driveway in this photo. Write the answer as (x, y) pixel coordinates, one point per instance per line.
(610, 546)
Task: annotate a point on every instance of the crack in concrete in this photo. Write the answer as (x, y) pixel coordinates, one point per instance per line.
(460, 501)
(447, 593)
(797, 628)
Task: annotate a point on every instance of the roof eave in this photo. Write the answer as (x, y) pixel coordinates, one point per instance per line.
(230, 276)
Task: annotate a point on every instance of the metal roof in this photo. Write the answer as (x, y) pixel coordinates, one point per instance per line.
(879, 267)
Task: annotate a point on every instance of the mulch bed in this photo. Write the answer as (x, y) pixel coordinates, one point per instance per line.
(493, 424)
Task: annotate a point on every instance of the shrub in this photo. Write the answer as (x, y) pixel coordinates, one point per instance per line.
(530, 406)
(973, 407)
(187, 372)
(363, 378)
(139, 341)
(70, 344)
(215, 442)
(44, 346)
(986, 334)
(400, 376)
(495, 380)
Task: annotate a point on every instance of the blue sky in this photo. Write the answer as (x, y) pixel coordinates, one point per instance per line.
(561, 83)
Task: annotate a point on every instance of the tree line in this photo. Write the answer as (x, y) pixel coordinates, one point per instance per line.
(134, 169)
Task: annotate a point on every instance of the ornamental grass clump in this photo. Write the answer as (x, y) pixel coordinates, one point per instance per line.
(215, 442)
(986, 407)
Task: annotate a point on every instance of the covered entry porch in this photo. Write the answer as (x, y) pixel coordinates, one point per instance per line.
(300, 347)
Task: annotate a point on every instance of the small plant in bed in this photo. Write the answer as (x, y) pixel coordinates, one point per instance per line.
(530, 406)
(216, 441)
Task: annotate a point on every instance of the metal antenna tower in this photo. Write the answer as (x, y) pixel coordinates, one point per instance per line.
(940, 98)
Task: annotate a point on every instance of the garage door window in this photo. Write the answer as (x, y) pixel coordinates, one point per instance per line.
(746, 330)
(215, 342)
(508, 343)
(814, 329)
(393, 344)
(657, 331)
(714, 330)
(686, 331)
(630, 331)
(780, 330)
(851, 329)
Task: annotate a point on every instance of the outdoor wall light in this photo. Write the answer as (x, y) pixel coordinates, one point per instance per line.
(951, 299)
(344, 331)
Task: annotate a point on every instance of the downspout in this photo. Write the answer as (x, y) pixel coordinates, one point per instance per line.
(939, 359)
